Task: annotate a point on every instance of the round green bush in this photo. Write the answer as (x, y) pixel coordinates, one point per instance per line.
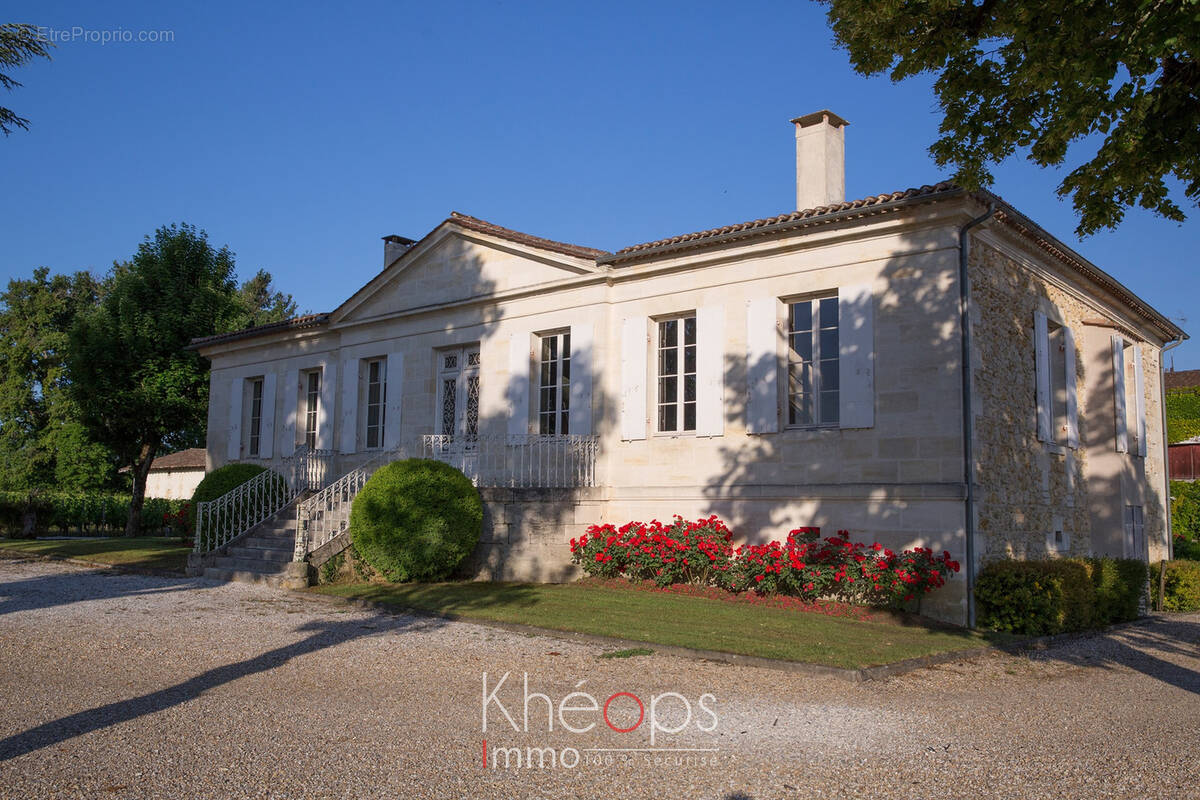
(416, 520)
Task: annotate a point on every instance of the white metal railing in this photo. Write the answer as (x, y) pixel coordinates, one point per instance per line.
(235, 513)
(531, 460)
(327, 513)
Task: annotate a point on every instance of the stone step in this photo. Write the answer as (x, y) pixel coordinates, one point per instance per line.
(249, 564)
(268, 542)
(243, 576)
(281, 554)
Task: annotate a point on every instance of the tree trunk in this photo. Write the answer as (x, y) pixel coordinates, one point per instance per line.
(29, 522)
(141, 469)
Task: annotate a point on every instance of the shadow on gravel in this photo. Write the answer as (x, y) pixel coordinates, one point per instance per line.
(1145, 648)
(321, 636)
(60, 589)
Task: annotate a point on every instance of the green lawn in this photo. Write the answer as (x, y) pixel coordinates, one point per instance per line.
(148, 552)
(670, 619)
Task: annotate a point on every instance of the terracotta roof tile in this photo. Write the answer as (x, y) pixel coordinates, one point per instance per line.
(1184, 379)
(795, 216)
(295, 323)
(195, 458)
(483, 226)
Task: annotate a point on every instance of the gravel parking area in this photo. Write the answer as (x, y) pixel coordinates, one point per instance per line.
(144, 687)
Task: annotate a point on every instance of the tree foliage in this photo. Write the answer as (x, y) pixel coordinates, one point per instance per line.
(139, 390)
(42, 442)
(19, 44)
(259, 303)
(1039, 77)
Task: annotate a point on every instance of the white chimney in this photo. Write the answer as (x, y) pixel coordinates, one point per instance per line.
(820, 160)
(393, 247)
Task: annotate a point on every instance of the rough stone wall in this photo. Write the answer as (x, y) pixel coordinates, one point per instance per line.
(1156, 504)
(1026, 489)
(527, 533)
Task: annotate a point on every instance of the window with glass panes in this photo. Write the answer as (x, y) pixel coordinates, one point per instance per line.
(554, 384)
(677, 374)
(376, 397)
(813, 380)
(312, 396)
(256, 396)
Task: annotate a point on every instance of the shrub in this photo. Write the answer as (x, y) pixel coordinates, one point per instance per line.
(699, 553)
(416, 520)
(1182, 585)
(1188, 550)
(1120, 586)
(85, 513)
(1043, 597)
(1185, 510)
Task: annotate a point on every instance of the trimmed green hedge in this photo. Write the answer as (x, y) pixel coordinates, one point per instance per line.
(1183, 585)
(1037, 598)
(416, 520)
(86, 514)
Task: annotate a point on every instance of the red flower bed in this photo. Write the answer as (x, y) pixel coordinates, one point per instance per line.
(803, 567)
(682, 552)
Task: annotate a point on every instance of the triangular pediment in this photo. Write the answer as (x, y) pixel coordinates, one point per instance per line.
(453, 264)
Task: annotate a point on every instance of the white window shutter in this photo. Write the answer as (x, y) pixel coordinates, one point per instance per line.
(856, 357)
(393, 391)
(1041, 348)
(1072, 391)
(762, 365)
(234, 446)
(266, 441)
(1139, 399)
(519, 356)
(349, 405)
(710, 371)
(633, 378)
(582, 359)
(293, 395)
(326, 404)
(1118, 359)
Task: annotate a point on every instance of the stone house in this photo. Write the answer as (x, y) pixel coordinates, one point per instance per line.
(805, 369)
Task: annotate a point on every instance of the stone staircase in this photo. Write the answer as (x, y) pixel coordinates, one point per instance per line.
(262, 555)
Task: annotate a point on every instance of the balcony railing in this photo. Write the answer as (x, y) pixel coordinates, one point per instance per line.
(532, 461)
(236, 512)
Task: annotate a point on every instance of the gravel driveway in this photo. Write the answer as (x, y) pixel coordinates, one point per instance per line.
(143, 687)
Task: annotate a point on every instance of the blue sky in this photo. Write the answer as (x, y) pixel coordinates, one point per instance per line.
(300, 134)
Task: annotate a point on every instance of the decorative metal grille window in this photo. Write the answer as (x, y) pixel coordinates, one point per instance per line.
(458, 391)
(677, 374)
(312, 397)
(813, 380)
(554, 384)
(449, 399)
(256, 396)
(472, 422)
(376, 398)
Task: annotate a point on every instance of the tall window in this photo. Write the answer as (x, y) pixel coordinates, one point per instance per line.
(312, 396)
(554, 384)
(376, 397)
(256, 396)
(813, 381)
(677, 374)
